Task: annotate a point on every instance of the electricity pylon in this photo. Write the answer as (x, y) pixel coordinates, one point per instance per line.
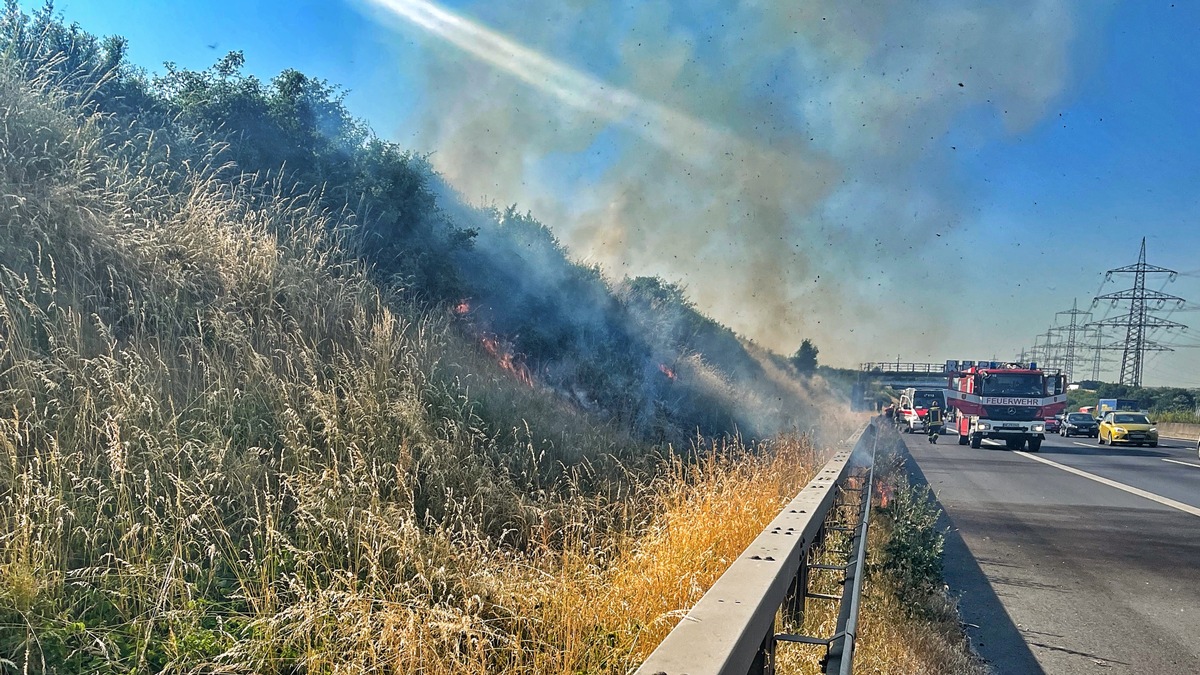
(1073, 332)
(1139, 322)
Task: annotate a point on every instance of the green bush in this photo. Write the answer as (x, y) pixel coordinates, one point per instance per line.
(908, 517)
(912, 555)
(1177, 416)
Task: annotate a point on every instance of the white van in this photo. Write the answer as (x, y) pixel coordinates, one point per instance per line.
(914, 402)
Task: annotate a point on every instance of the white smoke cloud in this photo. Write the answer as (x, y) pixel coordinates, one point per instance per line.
(788, 162)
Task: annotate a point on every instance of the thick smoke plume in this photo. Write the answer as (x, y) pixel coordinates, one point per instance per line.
(790, 163)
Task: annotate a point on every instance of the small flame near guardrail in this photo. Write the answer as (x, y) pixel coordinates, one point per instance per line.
(883, 494)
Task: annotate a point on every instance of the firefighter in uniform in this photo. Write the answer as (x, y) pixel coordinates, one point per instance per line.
(933, 421)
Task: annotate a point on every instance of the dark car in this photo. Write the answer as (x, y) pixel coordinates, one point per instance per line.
(1079, 424)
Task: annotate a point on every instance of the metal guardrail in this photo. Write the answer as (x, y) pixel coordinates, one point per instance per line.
(840, 657)
(731, 630)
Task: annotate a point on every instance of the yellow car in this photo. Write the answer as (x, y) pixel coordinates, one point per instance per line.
(1128, 427)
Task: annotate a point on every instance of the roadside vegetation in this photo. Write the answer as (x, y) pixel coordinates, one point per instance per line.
(907, 621)
(1168, 404)
(912, 625)
(1177, 417)
(264, 407)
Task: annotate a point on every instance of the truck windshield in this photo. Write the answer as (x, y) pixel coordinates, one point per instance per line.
(1013, 384)
(922, 399)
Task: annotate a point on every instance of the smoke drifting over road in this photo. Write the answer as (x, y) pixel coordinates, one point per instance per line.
(789, 162)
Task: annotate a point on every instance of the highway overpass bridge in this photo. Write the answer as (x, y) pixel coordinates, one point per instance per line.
(898, 375)
(901, 375)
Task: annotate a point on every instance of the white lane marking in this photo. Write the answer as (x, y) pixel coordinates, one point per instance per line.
(1175, 461)
(1096, 445)
(1179, 506)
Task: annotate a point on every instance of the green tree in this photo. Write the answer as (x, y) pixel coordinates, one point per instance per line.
(1175, 399)
(805, 358)
(297, 127)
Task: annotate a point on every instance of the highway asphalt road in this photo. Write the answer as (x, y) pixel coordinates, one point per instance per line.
(1058, 572)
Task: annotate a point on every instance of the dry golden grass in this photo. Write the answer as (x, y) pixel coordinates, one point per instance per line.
(576, 607)
(895, 640)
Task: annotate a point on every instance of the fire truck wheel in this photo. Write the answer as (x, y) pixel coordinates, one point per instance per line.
(1035, 444)
(976, 441)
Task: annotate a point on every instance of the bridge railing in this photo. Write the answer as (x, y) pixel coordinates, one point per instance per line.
(732, 628)
(903, 368)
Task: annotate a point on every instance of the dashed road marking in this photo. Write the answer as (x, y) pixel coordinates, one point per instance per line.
(1175, 461)
(1179, 506)
(1096, 445)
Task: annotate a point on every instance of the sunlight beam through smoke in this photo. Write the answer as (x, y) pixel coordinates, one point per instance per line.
(668, 128)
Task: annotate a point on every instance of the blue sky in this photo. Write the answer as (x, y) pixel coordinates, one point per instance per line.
(1116, 162)
(831, 172)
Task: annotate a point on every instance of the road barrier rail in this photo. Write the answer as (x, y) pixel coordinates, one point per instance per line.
(732, 629)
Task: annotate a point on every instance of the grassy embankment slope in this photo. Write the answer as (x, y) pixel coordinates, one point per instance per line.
(231, 444)
(226, 447)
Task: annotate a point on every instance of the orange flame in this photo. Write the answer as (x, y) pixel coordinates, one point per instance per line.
(667, 371)
(507, 360)
(462, 307)
(883, 492)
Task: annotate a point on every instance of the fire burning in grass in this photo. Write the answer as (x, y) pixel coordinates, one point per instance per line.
(503, 353)
(666, 370)
(498, 348)
(883, 494)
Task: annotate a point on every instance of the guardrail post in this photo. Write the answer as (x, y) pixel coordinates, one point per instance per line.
(764, 660)
(793, 604)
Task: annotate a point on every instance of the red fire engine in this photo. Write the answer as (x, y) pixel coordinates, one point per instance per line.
(1006, 401)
